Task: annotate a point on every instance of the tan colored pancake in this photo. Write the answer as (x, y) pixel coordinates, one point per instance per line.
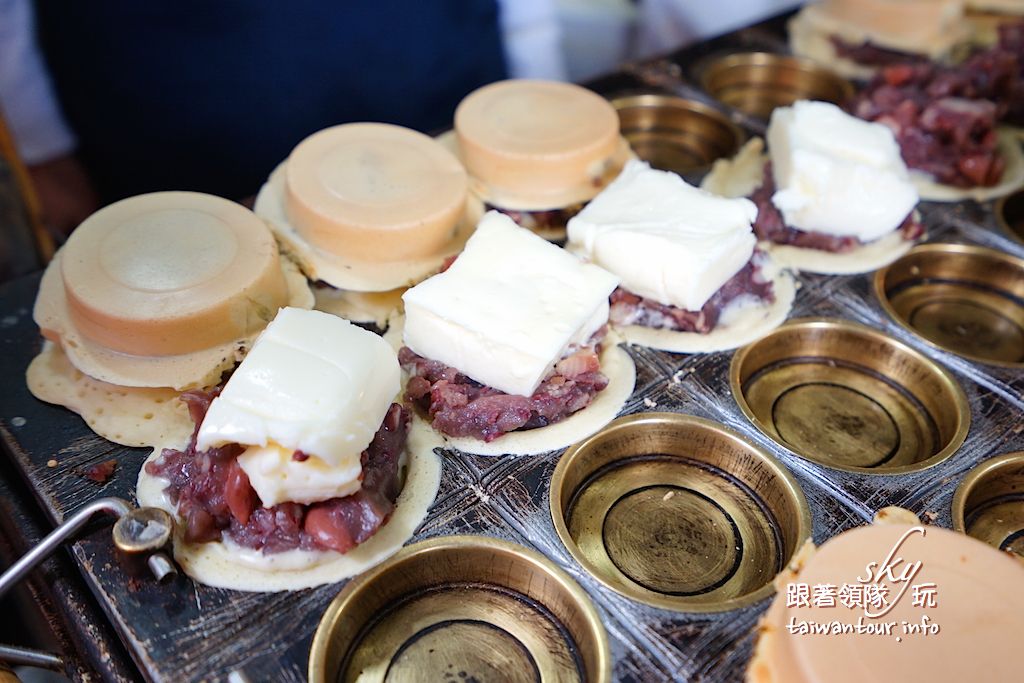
(225, 565)
(912, 26)
(185, 371)
(159, 290)
(536, 145)
(490, 197)
(344, 271)
(741, 322)
(374, 192)
(130, 416)
(979, 612)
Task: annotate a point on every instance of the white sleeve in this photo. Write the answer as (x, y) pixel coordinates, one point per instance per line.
(26, 92)
(669, 24)
(532, 38)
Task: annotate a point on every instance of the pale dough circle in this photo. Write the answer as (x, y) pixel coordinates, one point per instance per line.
(359, 307)
(130, 416)
(862, 259)
(741, 322)
(226, 565)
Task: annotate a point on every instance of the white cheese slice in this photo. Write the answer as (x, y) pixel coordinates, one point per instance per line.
(837, 174)
(508, 309)
(312, 382)
(278, 478)
(666, 240)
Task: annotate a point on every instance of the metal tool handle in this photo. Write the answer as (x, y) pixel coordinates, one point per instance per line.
(22, 656)
(138, 531)
(128, 516)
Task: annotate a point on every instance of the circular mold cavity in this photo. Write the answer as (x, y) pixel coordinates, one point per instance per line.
(756, 83)
(962, 299)
(1009, 212)
(678, 512)
(849, 397)
(989, 503)
(676, 134)
(461, 608)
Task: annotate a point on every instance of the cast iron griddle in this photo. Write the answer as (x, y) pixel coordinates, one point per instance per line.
(185, 632)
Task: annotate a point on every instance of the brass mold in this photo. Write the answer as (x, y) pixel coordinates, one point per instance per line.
(850, 397)
(758, 82)
(989, 503)
(1009, 212)
(676, 134)
(461, 608)
(963, 299)
(678, 512)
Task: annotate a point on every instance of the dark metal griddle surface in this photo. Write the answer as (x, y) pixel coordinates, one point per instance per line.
(184, 632)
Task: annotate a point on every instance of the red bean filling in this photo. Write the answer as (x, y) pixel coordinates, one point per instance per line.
(869, 54)
(214, 498)
(944, 117)
(630, 309)
(459, 406)
(550, 219)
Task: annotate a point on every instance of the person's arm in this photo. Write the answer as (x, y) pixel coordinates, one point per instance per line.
(45, 142)
(669, 24)
(533, 40)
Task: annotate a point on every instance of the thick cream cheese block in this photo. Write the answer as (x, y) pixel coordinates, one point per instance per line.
(837, 174)
(315, 383)
(667, 240)
(277, 477)
(508, 309)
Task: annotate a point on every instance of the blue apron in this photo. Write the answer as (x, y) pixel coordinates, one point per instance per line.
(210, 95)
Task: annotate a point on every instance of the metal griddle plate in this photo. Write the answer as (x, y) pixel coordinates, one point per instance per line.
(183, 631)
